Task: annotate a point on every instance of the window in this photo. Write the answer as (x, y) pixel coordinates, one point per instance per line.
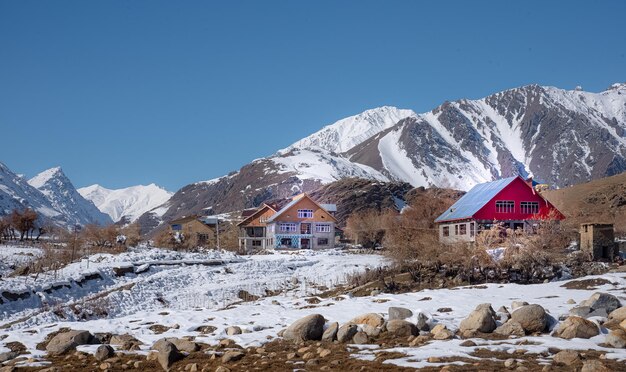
(529, 207)
(505, 206)
(456, 229)
(305, 213)
(256, 243)
(322, 227)
(177, 227)
(287, 227)
(203, 238)
(446, 231)
(322, 241)
(472, 229)
(262, 219)
(462, 229)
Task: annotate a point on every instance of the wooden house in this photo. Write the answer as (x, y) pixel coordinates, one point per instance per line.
(198, 231)
(512, 201)
(300, 224)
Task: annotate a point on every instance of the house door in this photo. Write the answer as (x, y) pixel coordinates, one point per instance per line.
(305, 243)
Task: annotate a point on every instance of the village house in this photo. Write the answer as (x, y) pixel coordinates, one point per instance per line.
(198, 231)
(300, 224)
(512, 202)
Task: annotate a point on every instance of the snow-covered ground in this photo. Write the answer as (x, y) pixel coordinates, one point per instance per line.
(182, 290)
(12, 256)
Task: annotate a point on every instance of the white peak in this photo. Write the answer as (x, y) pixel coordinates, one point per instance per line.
(42, 178)
(346, 133)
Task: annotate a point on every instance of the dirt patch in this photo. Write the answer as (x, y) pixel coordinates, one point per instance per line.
(588, 284)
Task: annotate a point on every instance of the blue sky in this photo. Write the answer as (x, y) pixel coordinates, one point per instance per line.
(133, 92)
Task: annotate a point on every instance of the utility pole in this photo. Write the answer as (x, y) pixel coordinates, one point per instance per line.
(217, 223)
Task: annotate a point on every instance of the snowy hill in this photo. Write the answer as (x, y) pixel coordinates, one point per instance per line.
(129, 203)
(64, 198)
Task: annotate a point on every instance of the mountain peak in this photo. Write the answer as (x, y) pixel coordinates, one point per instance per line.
(45, 176)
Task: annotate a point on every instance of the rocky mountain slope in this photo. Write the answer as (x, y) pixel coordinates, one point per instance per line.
(561, 137)
(16, 193)
(601, 201)
(128, 203)
(64, 198)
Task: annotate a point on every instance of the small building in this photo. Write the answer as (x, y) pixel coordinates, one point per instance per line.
(599, 240)
(198, 231)
(302, 223)
(512, 202)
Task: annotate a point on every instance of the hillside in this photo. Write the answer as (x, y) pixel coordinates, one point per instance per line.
(602, 200)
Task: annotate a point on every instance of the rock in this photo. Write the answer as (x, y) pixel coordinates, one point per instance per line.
(370, 331)
(233, 330)
(232, 356)
(570, 302)
(616, 338)
(618, 315)
(104, 366)
(481, 319)
(191, 367)
(4, 357)
(330, 334)
(122, 339)
(510, 328)
(594, 366)
(323, 353)
(310, 327)
(532, 318)
(623, 324)
(183, 344)
(373, 319)
(399, 313)
(66, 341)
(467, 343)
(222, 369)
(581, 311)
(576, 327)
(503, 309)
(510, 363)
(441, 332)
(422, 322)
(566, 357)
(205, 329)
(346, 332)
(104, 352)
(375, 292)
(601, 300)
(9, 369)
(360, 338)
(419, 340)
(167, 353)
(517, 304)
(402, 328)
(486, 306)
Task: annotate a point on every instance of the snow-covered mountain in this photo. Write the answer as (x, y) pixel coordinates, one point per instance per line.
(16, 193)
(64, 198)
(127, 203)
(558, 136)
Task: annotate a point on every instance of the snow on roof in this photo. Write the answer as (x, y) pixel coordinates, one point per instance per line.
(475, 199)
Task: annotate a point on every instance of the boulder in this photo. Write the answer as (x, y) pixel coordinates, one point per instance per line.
(181, 344)
(486, 306)
(616, 338)
(422, 322)
(601, 300)
(594, 365)
(8, 356)
(66, 341)
(618, 315)
(399, 313)
(566, 357)
(402, 328)
(104, 352)
(581, 311)
(517, 304)
(576, 327)
(360, 338)
(441, 332)
(481, 320)
(311, 327)
(330, 334)
(532, 318)
(510, 328)
(233, 330)
(167, 354)
(373, 319)
(232, 356)
(346, 332)
(370, 331)
(122, 339)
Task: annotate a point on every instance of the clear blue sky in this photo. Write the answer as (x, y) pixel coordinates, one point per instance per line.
(128, 92)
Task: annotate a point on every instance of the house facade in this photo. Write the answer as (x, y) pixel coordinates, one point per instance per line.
(511, 201)
(300, 224)
(198, 231)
